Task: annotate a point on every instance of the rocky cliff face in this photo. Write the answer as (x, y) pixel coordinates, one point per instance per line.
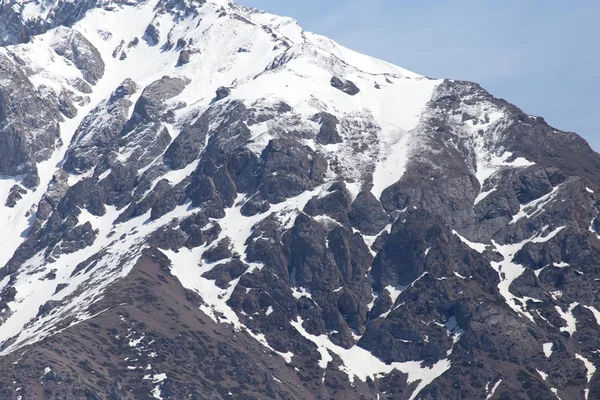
(200, 200)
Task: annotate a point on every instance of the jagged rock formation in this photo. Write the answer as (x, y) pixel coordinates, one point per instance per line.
(202, 200)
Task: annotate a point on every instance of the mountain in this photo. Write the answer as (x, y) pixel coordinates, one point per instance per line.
(203, 201)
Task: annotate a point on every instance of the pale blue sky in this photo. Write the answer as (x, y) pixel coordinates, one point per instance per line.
(542, 55)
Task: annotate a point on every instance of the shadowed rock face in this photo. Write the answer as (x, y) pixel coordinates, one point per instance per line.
(18, 26)
(241, 225)
(345, 86)
(29, 123)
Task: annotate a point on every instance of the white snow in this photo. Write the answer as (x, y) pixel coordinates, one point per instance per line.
(542, 374)
(238, 228)
(569, 318)
(547, 347)
(595, 312)
(136, 342)
(535, 207)
(299, 74)
(358, 60)
(479, 247)
(394, 292)
(508, 271)
(157, 378)
(83, 289)
(358, 362)
(482, 195)
(459, 275)
(490, 392)
(53, 71)
(104, 175)
(187, 267)
(561, 264)
(592, 230)
(298, 293)
(557, 294)
(591, 370)
(489, 164)
(395, 152)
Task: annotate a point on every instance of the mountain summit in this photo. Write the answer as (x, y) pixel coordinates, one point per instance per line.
(200, 200)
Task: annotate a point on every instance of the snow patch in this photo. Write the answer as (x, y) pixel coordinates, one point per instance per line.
(591, 370)
(508, 271)
(488, 164)
(595, 312)
(358, 362)
(569, 318)
(478, 247)
(535, 207)
(547, 347)
(491, 391)
(542, 374)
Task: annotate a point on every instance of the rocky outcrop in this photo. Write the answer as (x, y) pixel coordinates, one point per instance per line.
(345, 86)
(278, 238)
(29, 123)
(73, 46)
(328, 134)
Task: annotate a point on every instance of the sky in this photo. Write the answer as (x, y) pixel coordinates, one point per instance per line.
(541, 55)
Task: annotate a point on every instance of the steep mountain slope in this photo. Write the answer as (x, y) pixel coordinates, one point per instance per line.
(201, 200)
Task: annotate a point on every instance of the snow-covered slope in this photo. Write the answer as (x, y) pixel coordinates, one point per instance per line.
(291, 183)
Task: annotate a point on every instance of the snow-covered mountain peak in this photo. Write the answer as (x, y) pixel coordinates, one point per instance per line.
(343, 215)
(209, 59)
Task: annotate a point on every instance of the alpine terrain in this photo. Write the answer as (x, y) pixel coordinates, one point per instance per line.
(200, 200)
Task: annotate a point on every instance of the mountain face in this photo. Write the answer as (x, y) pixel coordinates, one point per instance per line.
(202, 201)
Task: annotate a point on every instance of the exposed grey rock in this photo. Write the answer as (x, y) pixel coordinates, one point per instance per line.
(223, 274)
(66, 106)
(335, 205)
(255, 206)
(345, 86)
(187, 145)
(184, 57)
(366, 214)
(220, 251)
(289, 169)
(81, 85)
(78, 238)
(29, 119)
(328, 134)
(76, 48)
(427, 291)
(16, 193)
(150, 106)
(222, 93)
(152, 35)
(62, 12)
(167, 238)
(97, 135)
(532, 185)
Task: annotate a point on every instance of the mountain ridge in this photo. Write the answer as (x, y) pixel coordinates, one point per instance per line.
(380, 233)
